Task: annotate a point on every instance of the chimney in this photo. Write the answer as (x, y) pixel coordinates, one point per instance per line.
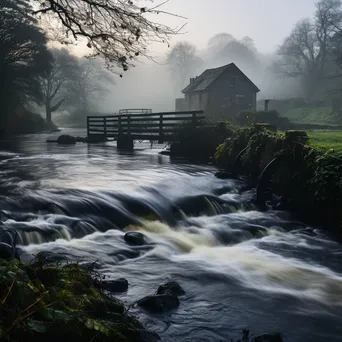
(192, 80)
(266, 105)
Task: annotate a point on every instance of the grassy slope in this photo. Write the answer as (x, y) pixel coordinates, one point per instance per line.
(326, 140)
(318, 116)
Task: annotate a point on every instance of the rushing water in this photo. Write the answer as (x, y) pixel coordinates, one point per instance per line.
(239, 267)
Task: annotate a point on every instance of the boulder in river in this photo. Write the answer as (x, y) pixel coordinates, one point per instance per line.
(172, 288)
(159, 303)
(6, 251)
(66, 140)
(276, 337)
(119, 285)
(223, 175)
(135, 238)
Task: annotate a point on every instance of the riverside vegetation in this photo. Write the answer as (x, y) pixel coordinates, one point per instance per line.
(41, 302)
(308, 180)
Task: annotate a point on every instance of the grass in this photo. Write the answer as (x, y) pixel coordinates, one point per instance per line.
(314, 116)
(322, 139)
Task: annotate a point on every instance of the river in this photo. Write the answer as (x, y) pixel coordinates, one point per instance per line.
(240, 268)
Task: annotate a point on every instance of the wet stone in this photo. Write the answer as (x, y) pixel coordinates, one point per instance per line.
(66, 140)
(6, 251)
(159, 303)
(172, 288)
(119, 285)
(134, 238)
(268, 338)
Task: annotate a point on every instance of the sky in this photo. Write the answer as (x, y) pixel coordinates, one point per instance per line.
(267, 22)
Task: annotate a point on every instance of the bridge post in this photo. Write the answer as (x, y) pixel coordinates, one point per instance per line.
(129, 125)
(88, 126)
(160, 140)
(125, 142)
(105, 127)
(119, 126)
(194, 120)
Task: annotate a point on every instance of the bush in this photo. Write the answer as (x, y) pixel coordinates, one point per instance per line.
(24, 121)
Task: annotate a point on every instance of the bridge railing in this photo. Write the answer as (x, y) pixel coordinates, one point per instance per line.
(154, 126)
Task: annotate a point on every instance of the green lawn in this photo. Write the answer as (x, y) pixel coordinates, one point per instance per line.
(315, 116)
(326, 139)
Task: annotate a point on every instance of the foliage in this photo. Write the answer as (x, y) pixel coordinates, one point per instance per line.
(25, 121)
(310, 178)
(23, 57)
(118, 31)
(258, 144)
(48, 303)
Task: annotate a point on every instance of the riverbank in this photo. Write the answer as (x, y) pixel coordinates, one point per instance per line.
(43, 302)
(307, 179)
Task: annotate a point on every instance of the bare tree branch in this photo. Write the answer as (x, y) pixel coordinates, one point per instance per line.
(117, 30)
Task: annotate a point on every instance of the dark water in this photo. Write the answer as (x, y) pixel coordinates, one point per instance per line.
(240, 267)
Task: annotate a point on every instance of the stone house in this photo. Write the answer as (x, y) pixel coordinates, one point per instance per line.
(221, 93)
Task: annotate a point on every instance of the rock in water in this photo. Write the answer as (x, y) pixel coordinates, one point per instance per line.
(172, 288)
(119, 285)
(66, 140)
(148, 336)
(6, 251)
(268, 338)
(134, 238)
(159, 303)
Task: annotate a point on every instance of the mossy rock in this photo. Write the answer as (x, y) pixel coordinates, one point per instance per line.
(48, 303)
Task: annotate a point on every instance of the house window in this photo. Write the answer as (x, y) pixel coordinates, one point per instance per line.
(232, 81)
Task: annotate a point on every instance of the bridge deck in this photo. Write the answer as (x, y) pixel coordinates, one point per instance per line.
(144, 126)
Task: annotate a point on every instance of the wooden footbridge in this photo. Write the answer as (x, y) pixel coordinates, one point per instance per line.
(140, 124)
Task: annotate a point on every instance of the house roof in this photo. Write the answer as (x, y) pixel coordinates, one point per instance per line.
(209, 76)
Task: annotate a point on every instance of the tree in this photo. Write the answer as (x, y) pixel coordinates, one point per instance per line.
(249, 43)
(219, 41)
(306, 51)
(54, 82)
(88, 85)
(119, 31)
(183, 61)
(239, 53)
(23, 56)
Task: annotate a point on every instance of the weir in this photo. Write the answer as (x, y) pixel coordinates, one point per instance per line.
(128, 126)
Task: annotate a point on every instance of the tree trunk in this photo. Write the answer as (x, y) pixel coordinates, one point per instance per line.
(48, 116)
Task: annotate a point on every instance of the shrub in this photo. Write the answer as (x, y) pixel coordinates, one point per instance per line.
(24, 121)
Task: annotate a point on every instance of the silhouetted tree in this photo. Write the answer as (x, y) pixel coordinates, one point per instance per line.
(220, 40)
(119, 31)
(306, 52)
(183, 61)
(88, 85)
(239, 53)
(55, 81)
(23, 56)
